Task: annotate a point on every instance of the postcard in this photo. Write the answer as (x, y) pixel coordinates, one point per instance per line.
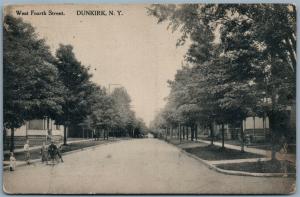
(149, 99)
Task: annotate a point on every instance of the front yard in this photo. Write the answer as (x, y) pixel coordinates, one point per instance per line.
(235, 160)
(214, 153)
(270, 166)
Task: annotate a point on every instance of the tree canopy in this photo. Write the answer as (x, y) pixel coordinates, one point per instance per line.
(240, 56)
(31, 86)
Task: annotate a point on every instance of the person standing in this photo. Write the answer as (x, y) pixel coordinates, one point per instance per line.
(52, 150)
(59, 150)
(283, 155)
(26, 151)
(12, 162)
(44, 153)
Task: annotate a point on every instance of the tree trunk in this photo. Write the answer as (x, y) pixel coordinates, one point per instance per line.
(65, 135)
(166, 134)
(212, 133)
(273, 150)
(196, 132)
(274, 138)
(109, 132)
(223, 135)
(180, 133)
(242, 138)
(167, 131)
(12, 140)
(292, 54)
(274, 122)
(187, 132)
(192, 132)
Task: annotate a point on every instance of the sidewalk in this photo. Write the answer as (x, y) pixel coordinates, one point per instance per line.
(235, 147)
(65, 152)
(70, 141)
(237, 161)
(238, 166)
(267, 153)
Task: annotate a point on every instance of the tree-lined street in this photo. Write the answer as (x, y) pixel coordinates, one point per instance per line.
(135, 166)
(228, 96)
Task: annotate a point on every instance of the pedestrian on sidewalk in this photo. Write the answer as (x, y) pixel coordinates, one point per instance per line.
(51, 150)
(54, 151)
(283, 155)
(44, 153)
(27, 152)
(12, 162)
(59, 149)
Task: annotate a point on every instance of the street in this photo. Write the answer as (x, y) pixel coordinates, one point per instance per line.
(134, 166)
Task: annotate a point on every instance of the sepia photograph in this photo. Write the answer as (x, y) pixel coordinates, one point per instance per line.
(170, 99)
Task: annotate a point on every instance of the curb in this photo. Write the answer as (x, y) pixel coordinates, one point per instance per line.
(6, 168)
(231, 172)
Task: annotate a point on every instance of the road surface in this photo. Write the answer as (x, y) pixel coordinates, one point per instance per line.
(134, 166)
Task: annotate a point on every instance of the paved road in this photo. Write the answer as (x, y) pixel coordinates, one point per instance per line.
(134, 166)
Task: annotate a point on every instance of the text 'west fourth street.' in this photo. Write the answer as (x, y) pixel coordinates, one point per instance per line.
(39, 13)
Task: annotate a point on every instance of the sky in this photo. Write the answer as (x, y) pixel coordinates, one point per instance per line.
(129, 49)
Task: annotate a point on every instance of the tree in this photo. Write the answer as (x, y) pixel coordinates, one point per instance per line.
(122, 102)
(279, 66)
(261, 41)
(158, 124)
(259, 47)
(76, 79)
(104, 113)
(31, 85)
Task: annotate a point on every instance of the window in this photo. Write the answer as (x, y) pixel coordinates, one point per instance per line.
(57, 127)
(36, 124)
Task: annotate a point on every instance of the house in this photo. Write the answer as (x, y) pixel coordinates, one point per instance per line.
(256, 128)
(36, 131)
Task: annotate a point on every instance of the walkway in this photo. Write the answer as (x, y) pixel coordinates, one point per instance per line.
(267, 153)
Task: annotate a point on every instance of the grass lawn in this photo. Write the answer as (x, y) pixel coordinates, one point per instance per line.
(261, 166)
(35, 154)
(213, 153)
